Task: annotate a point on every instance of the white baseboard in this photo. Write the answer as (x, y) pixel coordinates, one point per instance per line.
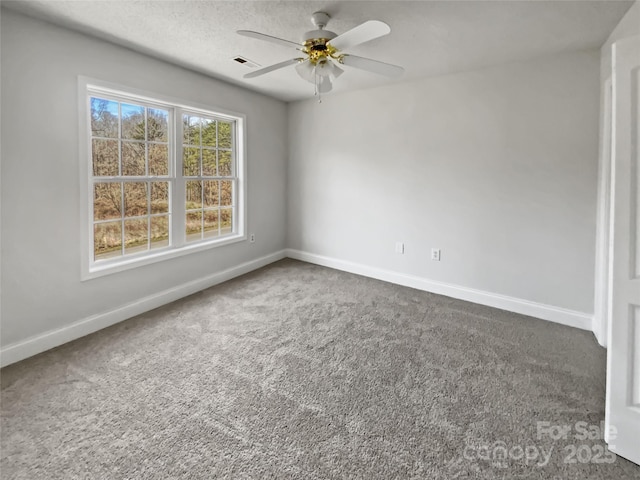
(564, 316)
(32, 346)
(40, 343)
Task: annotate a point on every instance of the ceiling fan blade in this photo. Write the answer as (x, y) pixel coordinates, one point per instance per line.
(271, 68)
(374, 66)
(360, 34)
(268, 38)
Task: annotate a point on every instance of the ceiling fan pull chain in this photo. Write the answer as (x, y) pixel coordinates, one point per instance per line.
(315, 83)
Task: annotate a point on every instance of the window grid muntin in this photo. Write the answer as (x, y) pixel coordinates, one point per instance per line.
(122, 179)
(147, 105)
(187, 116)
(175, 215)
(124, 218)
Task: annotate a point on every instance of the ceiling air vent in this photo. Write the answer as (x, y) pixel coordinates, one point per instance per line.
(245, 61)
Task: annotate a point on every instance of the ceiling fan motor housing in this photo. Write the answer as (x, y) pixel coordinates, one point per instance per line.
(315, 41)
(316, 47)
(317, 36)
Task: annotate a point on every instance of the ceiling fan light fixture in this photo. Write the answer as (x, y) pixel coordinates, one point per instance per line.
(328, 68)
(323, 68)
(324, 85)
(306, 71)
(336, 71)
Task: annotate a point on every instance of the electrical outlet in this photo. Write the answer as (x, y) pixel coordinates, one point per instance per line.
(252, 238)
(435, 254)
(400, 248)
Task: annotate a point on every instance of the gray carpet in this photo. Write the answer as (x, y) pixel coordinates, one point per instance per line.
(303, 372)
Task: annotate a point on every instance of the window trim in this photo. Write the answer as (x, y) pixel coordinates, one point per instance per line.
(91, 269)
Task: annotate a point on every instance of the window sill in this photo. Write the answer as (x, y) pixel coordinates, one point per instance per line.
(108, 267)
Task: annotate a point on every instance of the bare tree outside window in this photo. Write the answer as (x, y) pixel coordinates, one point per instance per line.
(129, 150)
(134, 173)
(207, 159)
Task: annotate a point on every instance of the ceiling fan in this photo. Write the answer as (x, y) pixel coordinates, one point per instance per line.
(322, 52)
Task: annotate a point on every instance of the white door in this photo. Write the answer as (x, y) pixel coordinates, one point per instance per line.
(623, 355)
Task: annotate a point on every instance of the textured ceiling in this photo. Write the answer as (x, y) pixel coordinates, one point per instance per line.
(427, 37)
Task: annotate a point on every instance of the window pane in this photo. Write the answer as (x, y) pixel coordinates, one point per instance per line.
(224, 135)
(224, 165)
(226, 192)
(159, 231)
(191, 162)
(133, 159)
(194, 194)
(132, 121)
(208, 132)
(209, 162)
(157, 122)
(194, 226)
(136, 234)
(135, 199)
(105, 158)
(107, 240)
(134, 175)
(211, 223)
(159, 197)
(104, 118)
(191, 130)
(158, 159)
(107, 201)
(211, 195)
(226, 221)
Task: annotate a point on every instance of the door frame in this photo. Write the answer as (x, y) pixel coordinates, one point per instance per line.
(604, 224)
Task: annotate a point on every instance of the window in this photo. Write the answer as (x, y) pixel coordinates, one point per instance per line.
(208, 167)
(164, 178)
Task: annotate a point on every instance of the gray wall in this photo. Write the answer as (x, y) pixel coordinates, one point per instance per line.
(41, 287)
(496, 167)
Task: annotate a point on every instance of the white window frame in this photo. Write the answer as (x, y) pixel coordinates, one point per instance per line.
(91, 268)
